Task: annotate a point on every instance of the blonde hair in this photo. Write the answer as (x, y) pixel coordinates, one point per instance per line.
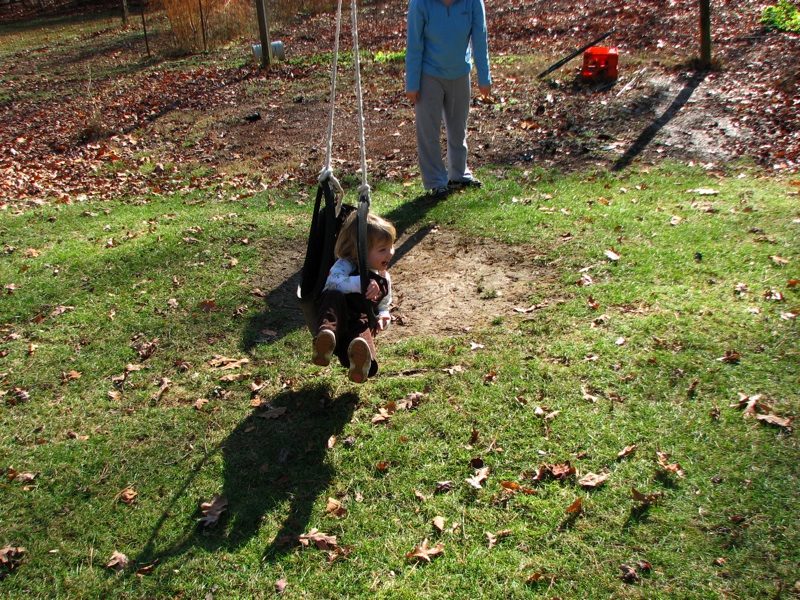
(379, 231)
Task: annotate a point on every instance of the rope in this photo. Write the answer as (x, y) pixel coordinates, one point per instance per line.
(326, 171)
(363, 191)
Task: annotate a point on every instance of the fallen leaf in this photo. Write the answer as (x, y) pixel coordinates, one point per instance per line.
(730, 357)
(676, 220)
(493, 537)
(593, 480)
(773, 296)
(562, 471)
(335, 508)
(627, 450)
(480, 476)
(200, 403)
(128, 496)
(321, 540)
(442, 487)
(703, 191)
(273, 413)
(575, 507)
(780, 261)
(420, 496)
(612, 255)
(225, 363)
(438, 523)
(645, 498)
(629, 574)
(280, 585)
(424, 551)
(118, 561)
(212, 511)
(775, 420)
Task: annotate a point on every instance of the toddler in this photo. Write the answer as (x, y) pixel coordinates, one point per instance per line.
(343, 324)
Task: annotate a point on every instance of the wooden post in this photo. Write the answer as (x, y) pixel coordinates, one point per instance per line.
(203, 26)
(144, 28)
(705, 34)
(263, 30)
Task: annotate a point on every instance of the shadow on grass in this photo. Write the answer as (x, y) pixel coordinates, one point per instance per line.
(644, 139)
(283, 315)
(274, 471)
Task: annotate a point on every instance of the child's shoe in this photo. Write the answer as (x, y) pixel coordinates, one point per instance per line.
(324, 345)
(360, 360)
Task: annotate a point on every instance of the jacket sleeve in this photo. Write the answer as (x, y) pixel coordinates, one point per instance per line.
(339, 278)
(414, 46)
(386, 301)
(480, 43)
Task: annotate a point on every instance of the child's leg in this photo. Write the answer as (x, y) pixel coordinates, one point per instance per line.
(361, 355)
(331, 307)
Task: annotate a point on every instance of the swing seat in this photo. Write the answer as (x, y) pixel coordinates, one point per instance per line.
(326, 222)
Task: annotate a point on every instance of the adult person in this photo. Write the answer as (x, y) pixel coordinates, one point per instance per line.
(444, 37)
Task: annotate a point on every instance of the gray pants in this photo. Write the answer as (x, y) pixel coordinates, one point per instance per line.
(439, 99)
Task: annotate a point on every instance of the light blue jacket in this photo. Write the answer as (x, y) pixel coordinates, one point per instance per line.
(439, 41)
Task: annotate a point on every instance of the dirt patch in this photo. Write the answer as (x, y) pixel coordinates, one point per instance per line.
(446, 283)
(442, 283)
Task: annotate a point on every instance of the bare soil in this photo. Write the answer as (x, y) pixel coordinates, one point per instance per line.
(65, 140)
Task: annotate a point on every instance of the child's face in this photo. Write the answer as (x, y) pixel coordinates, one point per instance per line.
(379, 256)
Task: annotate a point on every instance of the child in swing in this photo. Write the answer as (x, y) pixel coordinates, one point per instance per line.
(343, 324)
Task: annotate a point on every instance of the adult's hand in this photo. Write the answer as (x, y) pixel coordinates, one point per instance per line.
(485, 90)
(413, 96)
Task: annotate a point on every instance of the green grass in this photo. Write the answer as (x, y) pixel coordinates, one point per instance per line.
(47, 32)
(134, 272)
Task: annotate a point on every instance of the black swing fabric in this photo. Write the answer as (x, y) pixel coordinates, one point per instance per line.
(326, 222)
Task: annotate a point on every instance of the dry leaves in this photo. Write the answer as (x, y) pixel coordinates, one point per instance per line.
(224, 363)
(424, 551)
(334, 508)
(477, 480)
(212, 511)
(593, 480)
(128, 496)
(118, 562)
(753, 407)
(646, 499)
(493, 537)
(322, 541)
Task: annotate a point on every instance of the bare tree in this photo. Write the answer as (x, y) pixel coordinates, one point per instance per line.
(705, 33)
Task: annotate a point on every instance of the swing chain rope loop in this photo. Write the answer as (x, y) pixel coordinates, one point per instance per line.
(364, 190)
(327, 170)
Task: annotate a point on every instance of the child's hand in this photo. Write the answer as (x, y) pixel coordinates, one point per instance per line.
(383, 322)
(373, 290)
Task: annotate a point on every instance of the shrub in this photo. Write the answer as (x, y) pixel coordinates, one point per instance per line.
(222, 21)
(783, 17)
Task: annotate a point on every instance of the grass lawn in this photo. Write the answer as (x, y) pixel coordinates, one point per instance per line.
(624, 432)
(142, 376)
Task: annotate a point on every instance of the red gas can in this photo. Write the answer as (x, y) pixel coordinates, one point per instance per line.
(600, 63)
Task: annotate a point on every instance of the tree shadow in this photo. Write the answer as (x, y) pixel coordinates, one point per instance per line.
(275, 467)
(644, 139)
(281, 314)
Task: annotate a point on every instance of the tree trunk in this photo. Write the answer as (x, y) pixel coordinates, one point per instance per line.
(125, 14)
(263, 30)
(705, 34)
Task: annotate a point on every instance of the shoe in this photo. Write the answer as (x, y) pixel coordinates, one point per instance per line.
(464, 183)
(324, 345)
(360, 360)
(439, 192)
